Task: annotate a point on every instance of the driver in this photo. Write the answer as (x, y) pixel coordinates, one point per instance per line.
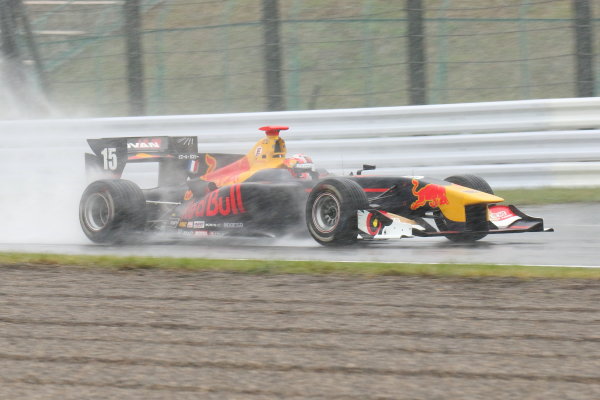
(300, 166)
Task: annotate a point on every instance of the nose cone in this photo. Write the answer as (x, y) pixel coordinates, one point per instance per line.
(469, 196)
(460, 196)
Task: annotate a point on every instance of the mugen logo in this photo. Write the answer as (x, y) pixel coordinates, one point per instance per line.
(185, 141)
(217, 203)
(431, 194)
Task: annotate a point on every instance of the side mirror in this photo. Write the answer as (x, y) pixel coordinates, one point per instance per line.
(365, 167)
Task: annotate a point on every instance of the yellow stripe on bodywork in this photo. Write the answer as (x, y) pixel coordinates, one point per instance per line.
(460, 196)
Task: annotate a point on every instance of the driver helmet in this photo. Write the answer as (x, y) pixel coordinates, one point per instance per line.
(300, 166)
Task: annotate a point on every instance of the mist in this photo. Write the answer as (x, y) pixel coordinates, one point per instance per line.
(43, 177)
(21, 96)
(40, 187)
(42, 167)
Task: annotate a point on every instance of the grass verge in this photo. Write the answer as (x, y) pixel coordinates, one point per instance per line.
(550, 195)
(301, 267)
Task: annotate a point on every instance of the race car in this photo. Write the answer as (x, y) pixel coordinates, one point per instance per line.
(266, 193)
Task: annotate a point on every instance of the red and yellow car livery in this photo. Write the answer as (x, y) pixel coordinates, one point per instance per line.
(266, 193)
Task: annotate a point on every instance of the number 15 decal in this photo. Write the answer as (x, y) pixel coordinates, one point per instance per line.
(110, 158)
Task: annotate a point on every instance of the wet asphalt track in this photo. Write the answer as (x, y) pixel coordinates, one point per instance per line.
(576, 242)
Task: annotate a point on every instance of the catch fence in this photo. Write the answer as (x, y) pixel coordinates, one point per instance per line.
(220, 56)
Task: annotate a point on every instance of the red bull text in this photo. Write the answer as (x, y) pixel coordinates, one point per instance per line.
(217, 203)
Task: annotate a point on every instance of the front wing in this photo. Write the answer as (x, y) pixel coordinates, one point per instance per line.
(374, 224)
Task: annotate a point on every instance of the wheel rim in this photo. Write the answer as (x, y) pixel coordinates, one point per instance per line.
(326, 212)
(97, 211)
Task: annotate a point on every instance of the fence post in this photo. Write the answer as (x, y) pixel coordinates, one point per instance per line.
(11, 69)
(584, 52)
(135, 66)
(8, 30)
(21, 14)
(272, 54)
(416, 52)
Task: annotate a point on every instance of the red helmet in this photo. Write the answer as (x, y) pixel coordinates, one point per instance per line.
(300, 166)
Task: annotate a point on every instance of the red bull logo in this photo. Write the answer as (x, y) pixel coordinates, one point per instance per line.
(431, 194)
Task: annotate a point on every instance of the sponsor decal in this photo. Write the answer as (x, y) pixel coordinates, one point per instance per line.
(190, 225)
(258, 151)
(431, 194)
(188, 195)
(147, 144)
(502, 216)
(173, 222)
(304, 166)
(198, 224)
(217, 203)
(233, 225)
(500, 213)
(211, 162)
(187, 156)
(182, 224)
(208, 233)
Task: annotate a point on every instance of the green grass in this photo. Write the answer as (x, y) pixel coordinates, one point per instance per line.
(301, 267)
(550, 195)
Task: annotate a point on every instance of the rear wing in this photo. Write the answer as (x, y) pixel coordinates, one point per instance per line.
(177, 156)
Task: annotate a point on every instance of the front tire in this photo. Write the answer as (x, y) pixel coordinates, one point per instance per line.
(444, 224)
(331, 211)
(112, 211)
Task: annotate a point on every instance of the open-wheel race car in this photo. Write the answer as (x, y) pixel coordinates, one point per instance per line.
(267, 193)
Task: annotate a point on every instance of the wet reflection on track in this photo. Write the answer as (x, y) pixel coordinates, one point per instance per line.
(575, 243)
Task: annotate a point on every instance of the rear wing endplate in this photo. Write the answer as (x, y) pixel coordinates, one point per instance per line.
(112, 154)
(177, 156)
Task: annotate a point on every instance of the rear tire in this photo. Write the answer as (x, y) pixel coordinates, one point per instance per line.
(112, 211)
(444, 224)
(331, 211)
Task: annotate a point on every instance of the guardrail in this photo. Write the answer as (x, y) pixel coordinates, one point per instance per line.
(513, 144)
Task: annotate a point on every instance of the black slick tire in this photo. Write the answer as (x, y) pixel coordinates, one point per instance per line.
(112, 211)
(331, 211)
